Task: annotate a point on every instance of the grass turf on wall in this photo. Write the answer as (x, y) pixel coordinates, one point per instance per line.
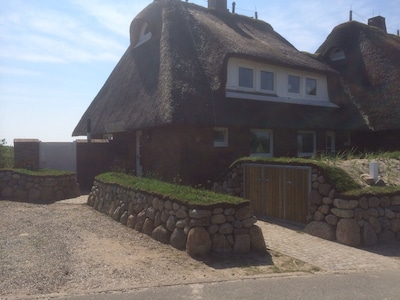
(178, 192)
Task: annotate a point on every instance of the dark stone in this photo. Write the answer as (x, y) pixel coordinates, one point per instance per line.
(322, 230)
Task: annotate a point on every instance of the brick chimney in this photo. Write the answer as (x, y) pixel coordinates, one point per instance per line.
(379, 22)
(218, 5)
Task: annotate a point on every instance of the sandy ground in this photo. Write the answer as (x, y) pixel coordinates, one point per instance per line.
(64, 249)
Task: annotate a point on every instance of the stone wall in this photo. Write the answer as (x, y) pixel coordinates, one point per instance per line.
(367, 221)
(198, 230)
(37, 189)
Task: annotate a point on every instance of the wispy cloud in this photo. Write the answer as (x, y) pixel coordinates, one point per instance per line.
(51, 36)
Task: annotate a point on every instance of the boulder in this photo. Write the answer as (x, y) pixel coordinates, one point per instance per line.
(242, 243)
(348, 232)
(368, 235)
(345, 204)
(220, 243)
(376, 225)
(386, 237)
(395, 225)
(148, 226)
(178, 239)
(322, 230)
(244, 213)
(315, 197)
(161, 234)
(141, 217)
(343, 213)
(200, 213)
(131, 222)
(257, 241)
(332, 220)
(198, 242)
(124, 218)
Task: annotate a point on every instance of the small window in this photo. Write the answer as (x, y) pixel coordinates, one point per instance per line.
(220, 137)
(294, 84)
(145, 34)
(246, 77)
(267, 81)
(311, 87)
(330, 143)
(336, 54)
(261, 143)
(306, 143)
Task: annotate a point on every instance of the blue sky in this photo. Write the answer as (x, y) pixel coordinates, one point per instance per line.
(55, 55)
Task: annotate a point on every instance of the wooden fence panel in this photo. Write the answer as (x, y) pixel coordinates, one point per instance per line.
(297, 193)
(273, 184)
(253, 187)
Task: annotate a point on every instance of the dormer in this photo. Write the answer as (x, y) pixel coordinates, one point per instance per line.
(140, 33)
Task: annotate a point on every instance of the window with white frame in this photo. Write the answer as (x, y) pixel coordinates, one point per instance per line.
(294, 84)
(311, 87)
(306, 143)
(246, 79)
(267, 81)
(261, 143)
(330, 143)
(220, 137)
(145, 34)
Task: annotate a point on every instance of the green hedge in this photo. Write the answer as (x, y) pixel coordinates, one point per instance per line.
(40, 173)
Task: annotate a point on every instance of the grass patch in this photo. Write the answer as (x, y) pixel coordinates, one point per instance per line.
(169, 190)
(372, 191)
(39, 173)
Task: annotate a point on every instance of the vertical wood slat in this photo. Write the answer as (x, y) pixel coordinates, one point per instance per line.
(278, 192)
(253, 187)
(273, 184)
(297, 183)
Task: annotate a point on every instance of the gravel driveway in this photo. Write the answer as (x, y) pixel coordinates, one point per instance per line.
(68, 248)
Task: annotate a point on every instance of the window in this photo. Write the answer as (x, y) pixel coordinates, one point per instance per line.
(311, 87)
(330, 143)
(306, 142)
(145, 34)
(336, 54)
(220, 137)
(294, 84)
(267, 81)
(246, 77)
(261, 143)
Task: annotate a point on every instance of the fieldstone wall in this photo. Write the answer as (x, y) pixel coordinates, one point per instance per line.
(39, 189)
(367, 221)
(198, 230)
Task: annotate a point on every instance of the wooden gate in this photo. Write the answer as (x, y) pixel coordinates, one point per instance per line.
(278, 191)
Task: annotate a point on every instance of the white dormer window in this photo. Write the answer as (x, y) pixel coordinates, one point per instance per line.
(145, 34)
(220, 137)
(267, 81)
(336, 54)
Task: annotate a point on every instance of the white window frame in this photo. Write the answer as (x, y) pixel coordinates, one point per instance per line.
(330, 135)
(305, 87)
(246, 88)
(273, 79)
(299, 151)
(289, 87)
(224, 142)
(271, 144)
(144, 37)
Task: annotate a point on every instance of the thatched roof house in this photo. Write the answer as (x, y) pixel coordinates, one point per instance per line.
(368, 59)
(176, 75)
(199, 87)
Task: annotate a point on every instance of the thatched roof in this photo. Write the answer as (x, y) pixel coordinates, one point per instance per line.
(371, 71)
(179, 75)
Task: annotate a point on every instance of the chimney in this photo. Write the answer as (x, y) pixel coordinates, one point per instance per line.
(218, 5)
(351, 15)
(379, 22)
(233, 7)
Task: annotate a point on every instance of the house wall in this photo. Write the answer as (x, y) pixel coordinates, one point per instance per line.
(388, 140)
